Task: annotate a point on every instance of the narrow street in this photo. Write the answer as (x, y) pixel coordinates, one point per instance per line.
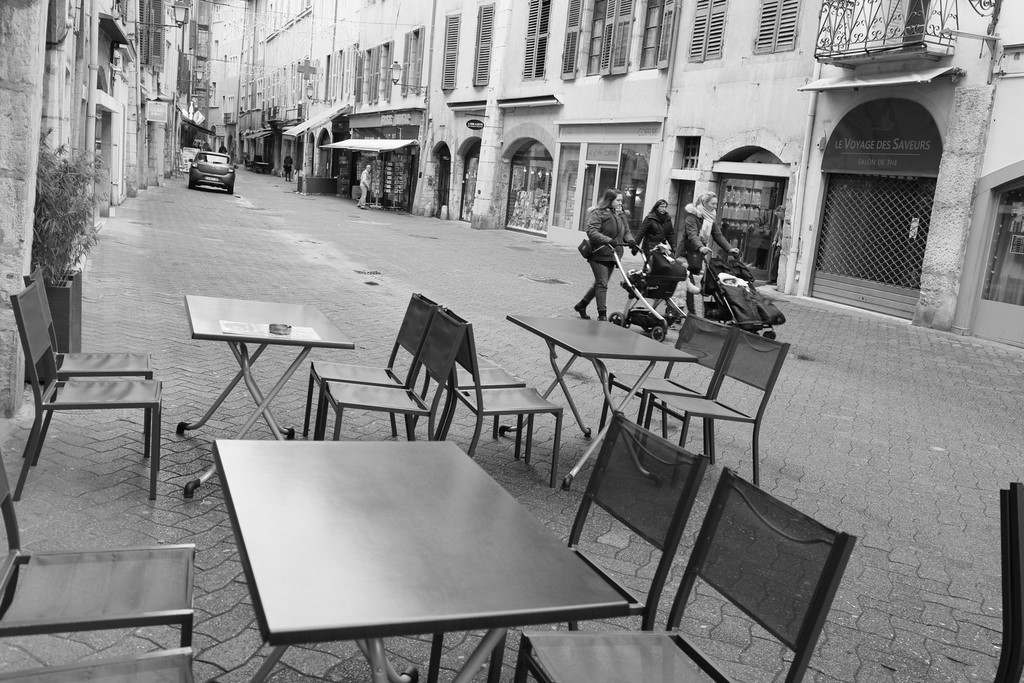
(899, 435)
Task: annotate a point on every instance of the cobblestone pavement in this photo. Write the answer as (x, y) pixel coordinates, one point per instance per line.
(899, 435)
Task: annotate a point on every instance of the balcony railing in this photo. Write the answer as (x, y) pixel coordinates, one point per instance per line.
(229, 117)
(857, 31)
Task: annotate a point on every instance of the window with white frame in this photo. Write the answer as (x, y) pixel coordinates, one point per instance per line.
(596, 37)
(659, 22)
(611, 32)
(412, 59)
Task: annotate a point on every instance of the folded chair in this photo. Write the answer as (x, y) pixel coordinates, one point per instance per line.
(168, 666)
(778, 566)
(435, 358)
(90, 364)
(485, 401)
(51, 395)
(754, 364)
(646, 484)
(92, 590)
(1011, 508)
(709, 341)
(410, 334)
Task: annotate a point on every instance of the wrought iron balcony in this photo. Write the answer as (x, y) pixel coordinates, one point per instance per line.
(853, 32)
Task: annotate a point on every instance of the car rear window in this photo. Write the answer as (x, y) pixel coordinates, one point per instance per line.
(212, 158)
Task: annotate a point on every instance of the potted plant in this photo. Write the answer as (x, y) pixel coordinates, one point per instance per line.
(63, 232)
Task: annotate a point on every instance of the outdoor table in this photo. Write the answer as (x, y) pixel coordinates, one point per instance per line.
(368, 540)
(262, 167)
(597, 341)
(238, 323)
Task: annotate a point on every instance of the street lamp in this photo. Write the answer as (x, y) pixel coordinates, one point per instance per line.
(180, 11)
(396, 77)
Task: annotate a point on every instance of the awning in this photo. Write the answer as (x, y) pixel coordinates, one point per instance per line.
(257, 135)
(852, 82)
(515, 102)
(110, 26)
(196, 126)
(318, 120)
(370, 144)
(468, 106)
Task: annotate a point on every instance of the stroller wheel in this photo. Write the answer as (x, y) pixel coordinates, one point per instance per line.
(616, 319)
(658, 333)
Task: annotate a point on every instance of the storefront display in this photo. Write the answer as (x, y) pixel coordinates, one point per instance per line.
(565, 189)
(751, 219)
(1005, 281)
(529, 189)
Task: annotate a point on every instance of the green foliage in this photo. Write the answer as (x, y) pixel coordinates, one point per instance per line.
(64, 228)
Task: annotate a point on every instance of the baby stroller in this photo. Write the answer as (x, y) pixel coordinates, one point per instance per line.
(729, 296)
(649, 289)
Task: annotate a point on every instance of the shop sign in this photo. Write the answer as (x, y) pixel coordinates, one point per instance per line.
(475, 124)
(156, 112)
(887, 137)
(402, 119)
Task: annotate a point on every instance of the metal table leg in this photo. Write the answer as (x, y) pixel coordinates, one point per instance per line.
(381, 670)
(271, 661)
(560, 381)
(602, 373)
(182, 426)
(262, 404)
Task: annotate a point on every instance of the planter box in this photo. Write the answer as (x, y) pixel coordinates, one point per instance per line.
(66, 309)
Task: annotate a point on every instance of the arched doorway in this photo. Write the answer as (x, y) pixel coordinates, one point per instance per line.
(881, 162)
(470, 163)
(323, 157)
(529, 187)
(443, 164)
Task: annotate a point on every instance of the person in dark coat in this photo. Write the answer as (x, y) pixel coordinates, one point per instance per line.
(700, 227)
(606, 226)
(657, 229)
(287, 167)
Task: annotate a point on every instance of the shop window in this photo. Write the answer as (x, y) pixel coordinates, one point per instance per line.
(634, 166)
(484, 38)
(570, 49)
(776, 28)
(657, 37)
(565, 186)
(691, 151)
(529, 189)
(1005, 280)
(536, 39)
(451, 51)
(708, 30)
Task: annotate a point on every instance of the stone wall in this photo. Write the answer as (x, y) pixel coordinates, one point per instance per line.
(22, 60)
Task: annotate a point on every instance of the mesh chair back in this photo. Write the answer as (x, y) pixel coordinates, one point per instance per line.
(775, 563)
(36, 276)
(413, 328)
(649, 485)
(705, 339)
(442, 341)
(1011, 658)
(756, 361)
(30, 313)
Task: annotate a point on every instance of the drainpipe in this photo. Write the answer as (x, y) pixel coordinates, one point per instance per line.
(92, 80)
(801, 188)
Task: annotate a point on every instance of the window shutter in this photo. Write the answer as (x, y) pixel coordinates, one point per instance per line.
(700, 31)
(620, 40)
(716, 29)
(788, 19)
(536, 39)
(484, 38)
(407, 62)
(418, 57)
(385, 68)
(570, 48)
(373, 74)
(667, 26)
(451, 51)
(156, 40)
(606, 36)
(144, 31)
(358, 68)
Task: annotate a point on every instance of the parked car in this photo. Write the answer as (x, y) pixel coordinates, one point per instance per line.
(211, 168)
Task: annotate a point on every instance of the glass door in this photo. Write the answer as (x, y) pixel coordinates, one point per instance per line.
(1000, 313)
(596, 179)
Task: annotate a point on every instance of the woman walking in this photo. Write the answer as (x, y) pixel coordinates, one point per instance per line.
(657, 229)
(606, 226)
(700, 226)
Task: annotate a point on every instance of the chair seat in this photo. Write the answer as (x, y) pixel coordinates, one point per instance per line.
(638, 657)
(357, 374)
(657, 384)
(112, 584)
(492, 378)
(519, 400)
(103, 365)
(699, 406)
(168, 666)
(108, 393)
(369, 397)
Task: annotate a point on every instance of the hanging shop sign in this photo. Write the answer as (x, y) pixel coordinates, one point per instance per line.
(156, 112)
(886, 136)
(475, 124)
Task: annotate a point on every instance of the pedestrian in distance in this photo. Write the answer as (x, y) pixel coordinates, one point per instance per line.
(657, 229)
(700, 226)
(607, 230)
(364, 187)
(287, 163)
(222, 150)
